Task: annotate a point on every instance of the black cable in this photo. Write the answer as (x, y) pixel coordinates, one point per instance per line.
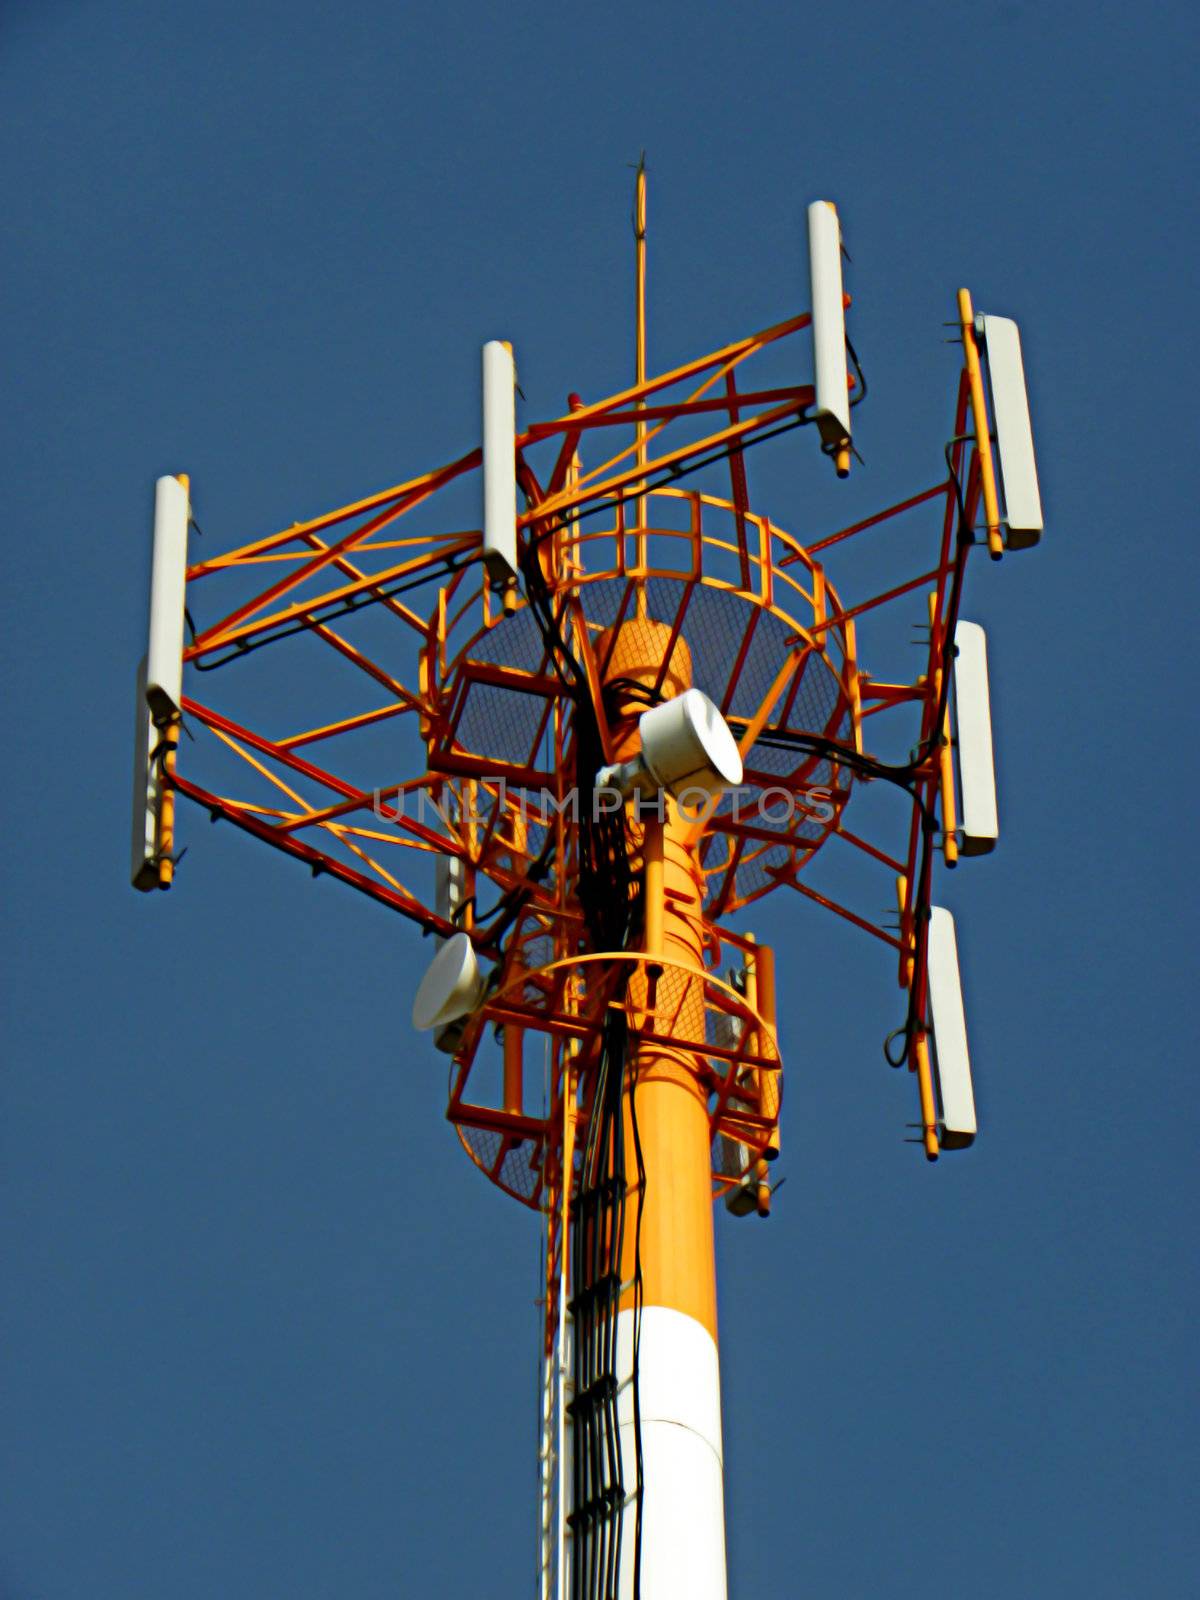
(672, 474)
(597, 1234)
(905, 776)
(638, 1289)
(669, 476)
(510, 905)
(860, 393)
(961, 438)
(306, 624)
(609, 899)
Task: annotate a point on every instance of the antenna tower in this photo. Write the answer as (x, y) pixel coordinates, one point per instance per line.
(630, 707)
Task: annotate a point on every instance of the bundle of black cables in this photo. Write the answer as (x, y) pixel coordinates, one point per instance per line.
(599, 1491)
(609, 895)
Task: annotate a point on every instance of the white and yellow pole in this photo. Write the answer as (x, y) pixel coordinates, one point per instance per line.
(670, 1226)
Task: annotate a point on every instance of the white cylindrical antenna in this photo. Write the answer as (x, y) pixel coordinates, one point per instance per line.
(450, 878)
(952, 1061)
(1014, 432)
(499, 464)
(687, 744)
(973, 741)
(832, 409)
(168, 577)
(687, 749)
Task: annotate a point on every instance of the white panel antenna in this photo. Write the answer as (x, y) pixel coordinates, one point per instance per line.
(973, 741)
(168, 577)
(499, 464)
(450, 991)
(450, 878)
(742, 1199)
(147, 792)
(832, 410)
(1014, 432)
(952, 1061)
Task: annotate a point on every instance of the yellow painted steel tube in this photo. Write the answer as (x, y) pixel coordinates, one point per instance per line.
(166, 807)
(925, 1087)
(906, 961)
(854, 685)
(945, 759)
(514, 1064)
(764, 962)
(653, 889)
(762, 1186)
(983, 436)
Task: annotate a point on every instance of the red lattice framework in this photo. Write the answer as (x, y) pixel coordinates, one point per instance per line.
(420, 666)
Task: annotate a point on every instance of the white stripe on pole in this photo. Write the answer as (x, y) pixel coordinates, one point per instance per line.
(951, 1057)
(973, 741)
(168, 577)
(832, 411)
(499, 463)
(1014, 432)
(683, 1506)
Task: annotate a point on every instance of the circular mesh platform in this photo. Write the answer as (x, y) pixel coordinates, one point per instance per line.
(734, 1053)
(742, 613)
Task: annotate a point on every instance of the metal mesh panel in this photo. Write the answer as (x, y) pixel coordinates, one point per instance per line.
(755, 868)
(500, 722)
(690, 1008)
(538, 951)
(518, 1173)
(771, 1092)
(718, 623)
(515, 641)
(725, 1031)
(483, 1145)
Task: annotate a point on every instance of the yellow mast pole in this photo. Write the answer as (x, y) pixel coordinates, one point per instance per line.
(672, 1301)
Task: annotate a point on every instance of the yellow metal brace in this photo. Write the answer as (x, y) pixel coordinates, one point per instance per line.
(983, 436)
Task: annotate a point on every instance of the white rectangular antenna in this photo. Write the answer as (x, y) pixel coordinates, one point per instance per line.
(742, 1199)
(450, 877)
(1014, 432)
(146, 792)
(973, 741)
(499, 464)
(832, 410)
(168, 577)
(952, 1061)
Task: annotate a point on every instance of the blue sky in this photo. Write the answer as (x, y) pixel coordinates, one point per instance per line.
(265, 1333)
